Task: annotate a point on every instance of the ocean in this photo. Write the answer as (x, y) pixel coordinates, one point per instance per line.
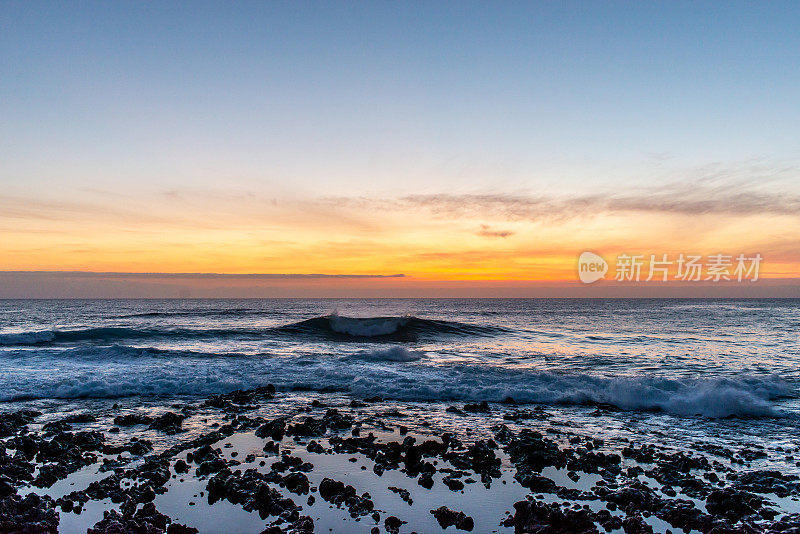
(607, 399)
(712, 358)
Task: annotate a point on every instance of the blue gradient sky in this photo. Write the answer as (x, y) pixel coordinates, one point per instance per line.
(385, 96)
(441, 140)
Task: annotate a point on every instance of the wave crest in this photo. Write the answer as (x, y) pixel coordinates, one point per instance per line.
(402, 328)
(331, 327)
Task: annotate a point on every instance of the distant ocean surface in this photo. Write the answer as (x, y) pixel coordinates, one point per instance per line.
(712, 358)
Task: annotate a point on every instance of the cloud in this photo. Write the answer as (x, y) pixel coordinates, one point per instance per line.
(743, 192)
(486, 231)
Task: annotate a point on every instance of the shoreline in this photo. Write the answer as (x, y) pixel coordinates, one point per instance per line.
(259, 460)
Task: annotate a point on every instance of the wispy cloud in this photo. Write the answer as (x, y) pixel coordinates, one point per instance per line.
(682, 198)
(487, 231)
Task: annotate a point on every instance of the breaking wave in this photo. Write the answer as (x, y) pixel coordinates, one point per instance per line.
(395, 373)
(403, 328)
(330, 327)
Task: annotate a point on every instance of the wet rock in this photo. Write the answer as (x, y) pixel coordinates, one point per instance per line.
(393, 524)
(425, 480)
(296, 483)
(6, 487)
(306, 428)
(538, 517)
(335, 420)
(132, 419)
(536, 483)
(633, 497)
(481, 407)
(530, 452)
(733, 504)
(453, 483)
(13, 423)
(29, 514)
(607, 521)
(274, 429)
(315, 447)
(789, 524)
(147, 520)
(252, 490)
(181, 467)
(404, 494)
(80, 418)
(447, 517)
(682, 514)
(57, 426)
(169, 423)
(479, 457)
(339, 494)
(636, 525)
(767, 481)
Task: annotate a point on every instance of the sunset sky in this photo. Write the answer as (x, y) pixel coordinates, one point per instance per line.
(474, 148)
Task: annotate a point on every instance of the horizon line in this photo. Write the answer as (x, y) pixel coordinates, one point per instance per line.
(101, 274)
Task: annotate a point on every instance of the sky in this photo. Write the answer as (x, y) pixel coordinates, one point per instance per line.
(476, 148)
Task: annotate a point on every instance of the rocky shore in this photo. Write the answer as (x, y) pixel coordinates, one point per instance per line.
(366, 465)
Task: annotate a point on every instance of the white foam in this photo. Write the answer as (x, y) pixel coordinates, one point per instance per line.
(121, 371)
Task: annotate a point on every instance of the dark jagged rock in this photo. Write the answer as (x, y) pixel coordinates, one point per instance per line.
(335, 420)
(169, 423)
(56, 426)
(453, 483)
(540, 518)
(480, 407)
(682, 514)
(272, 429)
(767, 481)
(240, 400)
(789, 524)
(339, 494)
(80, 418)
(132, 419)
(146, 520)
(530, 452)
(31, 514)
(634, 524)
(734, 504)
(393, 524)
(296, 483)
(311, 427)
(404, 494)
(252, 490)
(6, 487)
(447, 517)
(314, 447)
(607, 521)
(633, 497)
(62, 454)
(181, 467)
(13, 423)
(479, 457)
